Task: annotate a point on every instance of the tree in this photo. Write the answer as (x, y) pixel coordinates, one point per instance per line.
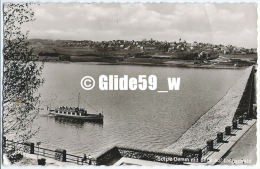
(21, 74)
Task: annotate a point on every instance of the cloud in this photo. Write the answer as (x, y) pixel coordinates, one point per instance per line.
(214, 23)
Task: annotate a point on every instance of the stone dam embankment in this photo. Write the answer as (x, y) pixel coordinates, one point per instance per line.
(213, 121)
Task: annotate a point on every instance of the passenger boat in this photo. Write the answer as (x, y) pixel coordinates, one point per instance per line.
(76, 113)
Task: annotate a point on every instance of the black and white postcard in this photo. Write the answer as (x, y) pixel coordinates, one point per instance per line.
(144, 84)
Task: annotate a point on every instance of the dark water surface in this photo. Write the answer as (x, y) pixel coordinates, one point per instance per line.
(142, 119)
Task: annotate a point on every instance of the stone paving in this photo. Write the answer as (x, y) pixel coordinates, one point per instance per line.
(213, 121)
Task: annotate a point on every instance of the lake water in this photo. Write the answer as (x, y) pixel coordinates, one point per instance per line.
(141, 119)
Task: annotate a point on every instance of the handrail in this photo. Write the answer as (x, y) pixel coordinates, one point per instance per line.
(50, 153)
(73, 155)
(37, 147)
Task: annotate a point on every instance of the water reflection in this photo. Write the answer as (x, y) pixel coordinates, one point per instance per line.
(74, 122)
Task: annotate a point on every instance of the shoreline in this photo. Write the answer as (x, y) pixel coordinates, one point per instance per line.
(185, 65)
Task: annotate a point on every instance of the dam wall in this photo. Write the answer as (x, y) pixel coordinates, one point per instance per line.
(248, 97)
(236, 102)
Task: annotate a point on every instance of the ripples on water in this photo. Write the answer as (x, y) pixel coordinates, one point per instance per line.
(144, 119)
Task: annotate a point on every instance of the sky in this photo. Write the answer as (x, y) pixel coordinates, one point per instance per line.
(234, 24)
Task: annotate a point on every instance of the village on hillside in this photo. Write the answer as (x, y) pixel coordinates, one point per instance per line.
(143, 52)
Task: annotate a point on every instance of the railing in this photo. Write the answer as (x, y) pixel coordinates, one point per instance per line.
(15, 146)
(118, 152)
(44, 152)
(78, 160)
(58, 154)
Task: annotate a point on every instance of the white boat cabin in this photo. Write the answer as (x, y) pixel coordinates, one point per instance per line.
(71, 111)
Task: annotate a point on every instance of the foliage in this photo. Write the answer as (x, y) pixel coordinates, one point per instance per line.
(22, 74)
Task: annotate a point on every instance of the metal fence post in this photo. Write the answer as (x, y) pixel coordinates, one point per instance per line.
(31, 148)
(60, 155)
(4, 142)
(64, 155)
(199, 154)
